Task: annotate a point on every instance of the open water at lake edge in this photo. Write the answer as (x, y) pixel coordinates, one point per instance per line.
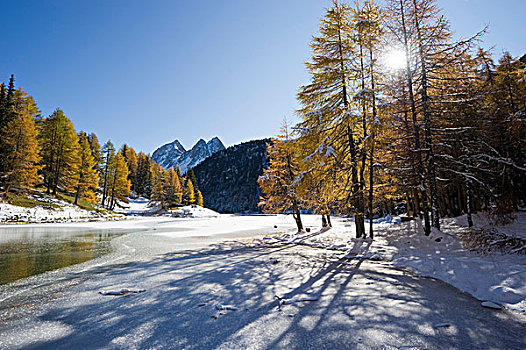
(27, 251)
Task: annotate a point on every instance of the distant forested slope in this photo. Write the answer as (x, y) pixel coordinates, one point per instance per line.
(228, 178)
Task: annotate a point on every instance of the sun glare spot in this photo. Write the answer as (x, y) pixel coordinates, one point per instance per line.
(395, 59)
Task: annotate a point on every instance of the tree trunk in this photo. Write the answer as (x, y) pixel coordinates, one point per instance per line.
(360, 205)
(105, 182)
(77, 195)
(468, 204)
(430, 155)
(420, 168)
(297, 217)
(371, 156)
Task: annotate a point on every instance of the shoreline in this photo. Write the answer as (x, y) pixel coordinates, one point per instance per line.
(124, 248)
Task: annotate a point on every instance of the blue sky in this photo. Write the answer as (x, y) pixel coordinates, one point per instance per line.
(148, 72)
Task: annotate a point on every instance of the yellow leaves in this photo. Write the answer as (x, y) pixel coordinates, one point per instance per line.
(189, 192)
(199, 198)
(88, 177)
(20, 136)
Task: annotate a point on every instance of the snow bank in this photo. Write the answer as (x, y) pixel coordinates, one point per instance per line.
(60, 211)
(144, 207)
(495, 277)
(137, 206)
(194, 211)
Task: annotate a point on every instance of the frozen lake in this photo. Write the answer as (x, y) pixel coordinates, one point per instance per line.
(28, 250)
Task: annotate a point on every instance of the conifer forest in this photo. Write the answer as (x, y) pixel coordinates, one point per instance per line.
(434, 127)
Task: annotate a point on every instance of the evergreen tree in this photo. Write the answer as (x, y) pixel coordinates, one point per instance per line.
(95, 150)
(6, 103)
(143, 178)
(108, 168)
(190, 175)
(6, 115)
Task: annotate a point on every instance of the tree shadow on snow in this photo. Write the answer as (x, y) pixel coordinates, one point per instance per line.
(360, 304)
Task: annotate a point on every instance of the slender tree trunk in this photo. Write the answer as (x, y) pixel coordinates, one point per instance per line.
(420, 168)
(105, 182)
(297, 217)
(358, 217)
(468, 204)
(77, 195)
(47, 175)
(416, 203)
(360, 207)
(430, 155)
(58, 168)
(10, 169)
(371, 157)
(112, 197)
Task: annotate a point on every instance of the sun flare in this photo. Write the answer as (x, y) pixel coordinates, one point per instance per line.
(395, 59)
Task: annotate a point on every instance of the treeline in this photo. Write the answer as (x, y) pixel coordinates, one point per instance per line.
(47, 153)
(442, 133)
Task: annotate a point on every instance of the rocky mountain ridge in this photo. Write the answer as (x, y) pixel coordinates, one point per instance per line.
(174, 154)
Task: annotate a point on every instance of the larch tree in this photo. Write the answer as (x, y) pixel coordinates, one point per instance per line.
(279, 180)
(173, 191)
(509, 91)
(199, 200)
(189, 193)
(132, 161)
(88, 176)
(19, 137)
(424, 35)
(317, 178)
(368, 35)
(159, 185)
(60, 152)
(327, 106)
(119, 184)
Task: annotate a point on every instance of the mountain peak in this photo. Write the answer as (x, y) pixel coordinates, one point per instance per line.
(174, 154)
(177, 145)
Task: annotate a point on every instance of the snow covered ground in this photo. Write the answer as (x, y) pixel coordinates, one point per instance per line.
(56, 211)
(137, 206)
(59, 211)
(496, 277)
(176, 283)
(143, 207)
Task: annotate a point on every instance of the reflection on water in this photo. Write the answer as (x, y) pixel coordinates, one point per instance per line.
(28, 251)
